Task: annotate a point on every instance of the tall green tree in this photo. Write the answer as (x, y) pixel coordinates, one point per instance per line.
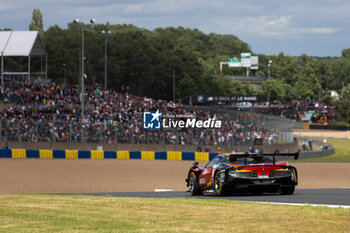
(346, 53)
(274, 88)
(343, 104)
(37, 21)
(142, 60)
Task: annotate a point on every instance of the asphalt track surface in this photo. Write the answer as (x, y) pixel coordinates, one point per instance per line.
(319, 183)
(300, 196)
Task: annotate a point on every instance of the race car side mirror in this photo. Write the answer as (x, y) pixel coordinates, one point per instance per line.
(195, 164)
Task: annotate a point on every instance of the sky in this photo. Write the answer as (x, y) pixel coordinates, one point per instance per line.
(314, 27)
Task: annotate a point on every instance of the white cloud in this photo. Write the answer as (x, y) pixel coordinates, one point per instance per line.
(277, 22)
(322, 30)
(134, 8)
(277, 26)
(6, 6)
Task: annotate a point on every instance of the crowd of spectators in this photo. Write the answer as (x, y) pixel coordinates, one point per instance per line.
(50, 112)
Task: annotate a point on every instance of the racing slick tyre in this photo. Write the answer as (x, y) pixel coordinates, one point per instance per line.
(193, 185)
(289, 190)
(219, 187)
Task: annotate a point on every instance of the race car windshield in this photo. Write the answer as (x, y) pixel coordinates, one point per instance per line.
(235, 160)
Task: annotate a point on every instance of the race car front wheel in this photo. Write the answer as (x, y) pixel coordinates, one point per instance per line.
(193, 185)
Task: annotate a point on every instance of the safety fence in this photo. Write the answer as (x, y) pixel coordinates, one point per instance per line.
(277, 130)
(97, 154)
(316, 153)
(237, 128)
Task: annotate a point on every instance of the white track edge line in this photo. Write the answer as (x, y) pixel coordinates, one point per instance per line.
(306, 204)
(163, 190)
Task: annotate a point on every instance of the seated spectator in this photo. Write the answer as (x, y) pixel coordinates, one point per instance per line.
(219, 150)
(6, 147)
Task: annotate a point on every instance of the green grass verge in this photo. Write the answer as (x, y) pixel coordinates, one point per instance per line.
(342, 152)
(44, 213)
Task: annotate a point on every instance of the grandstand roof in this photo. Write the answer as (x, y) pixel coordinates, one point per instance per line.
(21, 43)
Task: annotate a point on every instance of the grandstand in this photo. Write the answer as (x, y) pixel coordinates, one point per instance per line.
(50, 112)
(21, 44)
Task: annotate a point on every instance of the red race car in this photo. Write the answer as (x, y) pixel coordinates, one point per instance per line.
(243, 172)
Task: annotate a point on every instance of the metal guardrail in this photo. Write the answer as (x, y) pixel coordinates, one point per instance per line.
(299, 125)
(330, 127)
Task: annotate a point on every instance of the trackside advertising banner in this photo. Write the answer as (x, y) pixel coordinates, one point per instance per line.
(198, 99)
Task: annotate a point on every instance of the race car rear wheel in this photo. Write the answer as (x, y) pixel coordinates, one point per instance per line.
(219, 187)
(289, 190)
(193, 185)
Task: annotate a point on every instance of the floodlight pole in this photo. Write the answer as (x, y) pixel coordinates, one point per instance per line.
(82, 86)
(46, 65)
(174, 82)
(28, 68)
(269, 76)
(65, 72)
(319, 86)
(2, 70)
(106, 35)
(82, 96)
(106, 62)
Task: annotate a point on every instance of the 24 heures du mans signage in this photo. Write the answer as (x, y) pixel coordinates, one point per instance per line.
(228, 98)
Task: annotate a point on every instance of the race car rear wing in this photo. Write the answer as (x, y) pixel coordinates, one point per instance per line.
(250, 155)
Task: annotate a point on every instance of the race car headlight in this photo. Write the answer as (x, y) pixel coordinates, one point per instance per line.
(232, 172)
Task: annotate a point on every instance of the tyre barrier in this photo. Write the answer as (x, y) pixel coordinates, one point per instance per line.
(97, 154)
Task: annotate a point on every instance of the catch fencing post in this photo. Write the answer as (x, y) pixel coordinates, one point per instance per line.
(177, 137)
(70, 131)
(37, 131)
(18, 133)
